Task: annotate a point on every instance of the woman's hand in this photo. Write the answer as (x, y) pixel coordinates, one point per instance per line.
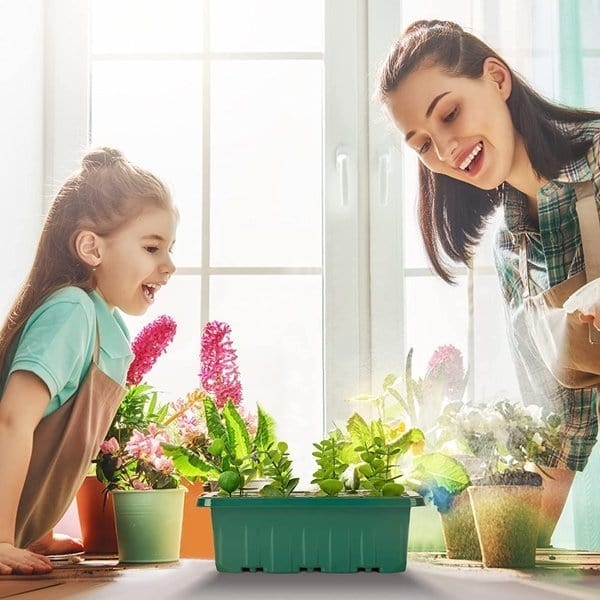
(23, 562)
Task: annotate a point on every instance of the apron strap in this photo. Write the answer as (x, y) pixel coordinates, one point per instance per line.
(589, 227)
(96, 345)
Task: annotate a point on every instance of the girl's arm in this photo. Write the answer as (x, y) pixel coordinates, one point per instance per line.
(23, 403)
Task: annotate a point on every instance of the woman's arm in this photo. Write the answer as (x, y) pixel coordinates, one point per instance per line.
(23, 403)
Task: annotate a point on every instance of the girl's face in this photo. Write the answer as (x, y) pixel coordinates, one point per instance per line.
(458, 126)
(136, 261)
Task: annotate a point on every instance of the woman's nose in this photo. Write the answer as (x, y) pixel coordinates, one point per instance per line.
(446, 149)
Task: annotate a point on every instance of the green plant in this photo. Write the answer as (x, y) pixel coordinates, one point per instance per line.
(277, 466)
(229, 452)
(329, 475)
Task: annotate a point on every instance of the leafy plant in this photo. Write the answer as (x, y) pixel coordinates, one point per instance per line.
(329, 475)
(277, 465)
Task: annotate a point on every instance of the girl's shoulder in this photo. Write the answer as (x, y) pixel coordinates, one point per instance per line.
(67, 300)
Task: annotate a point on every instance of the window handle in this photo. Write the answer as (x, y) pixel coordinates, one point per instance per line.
(384, 178)
(341, 163)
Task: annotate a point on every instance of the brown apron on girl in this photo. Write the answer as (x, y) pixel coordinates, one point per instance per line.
(64, 444)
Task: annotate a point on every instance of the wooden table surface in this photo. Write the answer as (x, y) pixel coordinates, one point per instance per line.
(558, 575)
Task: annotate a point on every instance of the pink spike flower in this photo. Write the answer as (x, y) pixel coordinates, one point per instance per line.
(219, 372)
(149, 344)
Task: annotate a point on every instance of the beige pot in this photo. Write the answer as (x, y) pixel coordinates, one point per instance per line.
(460, 533)
(507, 522)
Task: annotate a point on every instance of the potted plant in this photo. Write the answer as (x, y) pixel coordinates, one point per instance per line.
(415, 402)
(510, 439)
(356, 520)
(96, 512)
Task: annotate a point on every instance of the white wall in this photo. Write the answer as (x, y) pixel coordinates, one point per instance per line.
(21, 139)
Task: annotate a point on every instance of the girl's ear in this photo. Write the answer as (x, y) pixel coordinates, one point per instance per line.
(497, 72)
(88, 246)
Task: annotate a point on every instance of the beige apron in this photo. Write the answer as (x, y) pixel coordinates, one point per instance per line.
(64, 444)
(569, 348)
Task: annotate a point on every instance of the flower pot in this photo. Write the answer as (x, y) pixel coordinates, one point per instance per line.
(507, 521)
(460, 533)
(149, 524)
(425, 533)
(96, 518)
(303, 532)
(196, 534)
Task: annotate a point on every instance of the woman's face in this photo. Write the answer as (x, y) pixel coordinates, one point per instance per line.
(458, 126)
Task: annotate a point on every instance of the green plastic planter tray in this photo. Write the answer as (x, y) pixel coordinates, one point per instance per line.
(310, 533)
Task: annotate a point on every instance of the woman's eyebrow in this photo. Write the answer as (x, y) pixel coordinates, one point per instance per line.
(428, 113)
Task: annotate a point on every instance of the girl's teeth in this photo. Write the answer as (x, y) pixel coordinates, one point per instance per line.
(465, 163)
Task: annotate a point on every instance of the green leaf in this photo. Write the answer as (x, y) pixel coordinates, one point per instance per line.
(265, 430)
(358, 430)
(213, 420)
(405, 441)
(188, 463)
(442, 470)
(236, 431)
(332, 487)
(388, 381)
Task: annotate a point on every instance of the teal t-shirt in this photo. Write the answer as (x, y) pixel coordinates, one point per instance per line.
(57, 343)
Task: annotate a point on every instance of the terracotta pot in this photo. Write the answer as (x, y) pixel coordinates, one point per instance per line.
(97, 519)
(460, 533)
(507, 522)
(197, 534)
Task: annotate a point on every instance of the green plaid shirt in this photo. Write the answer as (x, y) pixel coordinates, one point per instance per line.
(554, 253)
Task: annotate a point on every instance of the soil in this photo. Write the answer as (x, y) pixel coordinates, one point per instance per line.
(511, 478)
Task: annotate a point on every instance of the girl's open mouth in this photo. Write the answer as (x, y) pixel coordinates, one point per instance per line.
(149, 290)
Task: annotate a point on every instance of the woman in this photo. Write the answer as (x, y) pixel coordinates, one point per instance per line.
(485, 138)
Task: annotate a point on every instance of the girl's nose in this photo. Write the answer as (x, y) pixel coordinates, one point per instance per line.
(169, 266)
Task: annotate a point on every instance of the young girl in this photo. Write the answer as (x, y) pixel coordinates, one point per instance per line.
(485, 138)
(64, 349)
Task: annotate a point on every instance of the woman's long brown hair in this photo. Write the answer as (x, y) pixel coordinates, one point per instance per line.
(452, 214)
(101, 197)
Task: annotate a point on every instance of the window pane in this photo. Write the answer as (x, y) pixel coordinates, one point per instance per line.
(266, 25)
(276, 324)
(589, 11)
(436, 314)
(494, 369)
(159, 127)
(146, 26)
(591, 69)
(459, 11)
(266, 163)
(176, 372)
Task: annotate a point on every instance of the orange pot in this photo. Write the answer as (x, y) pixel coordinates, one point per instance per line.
(96, 519)
(197, 534)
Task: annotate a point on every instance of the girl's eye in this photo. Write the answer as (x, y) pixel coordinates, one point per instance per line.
(450, 117)
(425, 147)
(151, 249)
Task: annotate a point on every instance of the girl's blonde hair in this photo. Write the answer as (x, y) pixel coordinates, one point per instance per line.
(102, 196)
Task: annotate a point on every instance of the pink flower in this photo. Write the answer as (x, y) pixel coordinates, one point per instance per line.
(143, 447)
(148, 345)
(448, 360)
(219, 374)
(139, 485)
(110, 446)
(163, 464)
(190, 423)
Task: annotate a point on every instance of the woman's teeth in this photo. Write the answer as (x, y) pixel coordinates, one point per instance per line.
(465, 163)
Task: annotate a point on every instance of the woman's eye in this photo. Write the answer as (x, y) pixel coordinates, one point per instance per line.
(451, 116)
(151, 249)
(425, 147)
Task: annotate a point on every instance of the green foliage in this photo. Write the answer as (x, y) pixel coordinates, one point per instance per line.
(331, 465)
(278, 467)
(376, 470)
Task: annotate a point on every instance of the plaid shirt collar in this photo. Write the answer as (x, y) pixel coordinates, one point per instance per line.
(515, 206)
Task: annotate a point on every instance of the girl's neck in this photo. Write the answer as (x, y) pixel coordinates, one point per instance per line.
(523, 178)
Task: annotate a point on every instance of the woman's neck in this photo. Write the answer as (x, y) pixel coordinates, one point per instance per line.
(523, 178)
